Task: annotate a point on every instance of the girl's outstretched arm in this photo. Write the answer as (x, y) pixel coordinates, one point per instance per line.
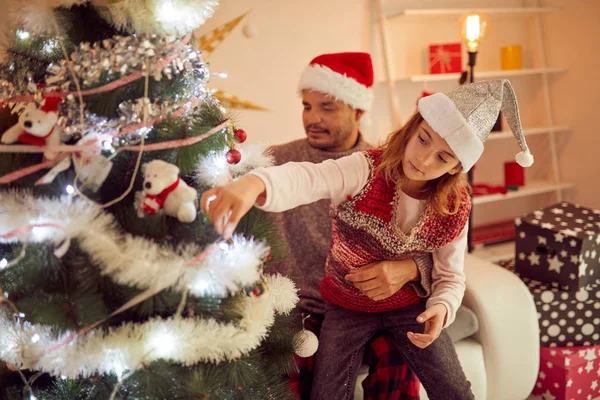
(284, 187)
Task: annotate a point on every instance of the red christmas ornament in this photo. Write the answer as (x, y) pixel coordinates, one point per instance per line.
(240, 135)
(233, 156)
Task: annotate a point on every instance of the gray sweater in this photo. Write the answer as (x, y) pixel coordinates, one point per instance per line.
(307, 232)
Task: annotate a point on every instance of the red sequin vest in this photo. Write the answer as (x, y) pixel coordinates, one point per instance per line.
(364, 230)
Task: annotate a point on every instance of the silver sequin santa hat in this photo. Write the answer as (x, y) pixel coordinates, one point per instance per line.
(464, 118)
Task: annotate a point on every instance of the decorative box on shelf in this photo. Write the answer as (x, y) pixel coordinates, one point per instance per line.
(445, 58)
(559, 245)
(565, 318)
(568, 373)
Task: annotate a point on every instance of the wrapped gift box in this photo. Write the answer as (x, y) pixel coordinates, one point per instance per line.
(569, 373)
(559, 245)
(565, 318)
(445, 58)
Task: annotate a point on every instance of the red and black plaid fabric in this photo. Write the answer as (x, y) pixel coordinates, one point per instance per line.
(390, 377)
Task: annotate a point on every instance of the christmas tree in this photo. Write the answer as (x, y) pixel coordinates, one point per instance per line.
(112, 284)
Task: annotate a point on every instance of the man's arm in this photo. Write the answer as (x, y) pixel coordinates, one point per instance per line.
(422, 283)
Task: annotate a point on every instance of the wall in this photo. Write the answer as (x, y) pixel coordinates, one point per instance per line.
(573, 35)
(266, 69)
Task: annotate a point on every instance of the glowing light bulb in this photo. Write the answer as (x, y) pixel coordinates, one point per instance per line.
(119, 369)
(166, 12)
(164, 344)
(50, 46)
(200, 286)
(473, 29)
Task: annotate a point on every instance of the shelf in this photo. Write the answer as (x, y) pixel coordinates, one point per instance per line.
(482, 75)
(458, 12)
(530, 189)
(528, 132)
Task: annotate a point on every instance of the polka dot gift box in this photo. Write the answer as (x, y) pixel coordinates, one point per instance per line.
(569, 373)
(559, 245)
(565, 318)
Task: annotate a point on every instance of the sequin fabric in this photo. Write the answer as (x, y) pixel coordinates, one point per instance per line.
(364, 231)
(481, 102)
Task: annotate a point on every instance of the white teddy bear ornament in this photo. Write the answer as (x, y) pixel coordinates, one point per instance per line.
(164, 191)
(37, 126)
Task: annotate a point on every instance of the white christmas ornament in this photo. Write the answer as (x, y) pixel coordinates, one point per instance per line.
(37, 126)
(306, 343)
(164, 191)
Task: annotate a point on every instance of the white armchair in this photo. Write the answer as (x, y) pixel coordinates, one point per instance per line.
(502, 359)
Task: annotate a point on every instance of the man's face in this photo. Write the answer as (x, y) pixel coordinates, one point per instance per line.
(330, 124)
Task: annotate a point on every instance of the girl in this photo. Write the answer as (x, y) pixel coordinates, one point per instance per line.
(402, 200)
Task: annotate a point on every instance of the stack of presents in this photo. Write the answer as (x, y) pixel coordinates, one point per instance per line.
(558, 258)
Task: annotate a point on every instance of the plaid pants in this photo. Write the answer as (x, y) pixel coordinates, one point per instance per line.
(389, 377)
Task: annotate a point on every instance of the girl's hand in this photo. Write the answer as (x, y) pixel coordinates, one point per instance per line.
(379, 280)
(226, 205)
(434, 318)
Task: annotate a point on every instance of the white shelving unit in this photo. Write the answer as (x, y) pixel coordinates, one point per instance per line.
(458, 12)
(482, 75)
(425, 16)
(531, 189)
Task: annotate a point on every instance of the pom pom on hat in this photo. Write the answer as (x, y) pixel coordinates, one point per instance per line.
(524, 158)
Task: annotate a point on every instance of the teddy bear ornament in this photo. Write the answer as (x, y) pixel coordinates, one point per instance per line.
(37, 126)
(165, 192)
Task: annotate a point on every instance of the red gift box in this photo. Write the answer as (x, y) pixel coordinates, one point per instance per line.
(514, 174)
(445, 58)
(568, 373)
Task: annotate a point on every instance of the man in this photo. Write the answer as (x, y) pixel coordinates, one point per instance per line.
(336, 92)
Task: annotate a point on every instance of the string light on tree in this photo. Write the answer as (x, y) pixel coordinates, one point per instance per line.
(23, 35)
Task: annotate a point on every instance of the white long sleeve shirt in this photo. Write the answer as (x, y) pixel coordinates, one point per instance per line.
(297, 183)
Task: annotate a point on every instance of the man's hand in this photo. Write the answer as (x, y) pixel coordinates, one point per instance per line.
(434, 318)
(226, 205)
(379, 280)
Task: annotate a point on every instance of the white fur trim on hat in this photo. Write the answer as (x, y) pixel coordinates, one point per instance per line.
(325, 80)
(444, 118)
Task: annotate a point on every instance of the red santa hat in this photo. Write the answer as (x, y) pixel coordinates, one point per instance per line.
(51, 104)
(346, 76)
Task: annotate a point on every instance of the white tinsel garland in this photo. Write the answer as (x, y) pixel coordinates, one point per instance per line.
(173, 17)
(130, 260)
(214, 169)
(37, 15)
(161, 17)
(183, 340)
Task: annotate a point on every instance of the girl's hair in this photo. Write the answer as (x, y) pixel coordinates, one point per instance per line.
(441, 192)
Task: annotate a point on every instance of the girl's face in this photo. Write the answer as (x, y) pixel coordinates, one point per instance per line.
(428, 156)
